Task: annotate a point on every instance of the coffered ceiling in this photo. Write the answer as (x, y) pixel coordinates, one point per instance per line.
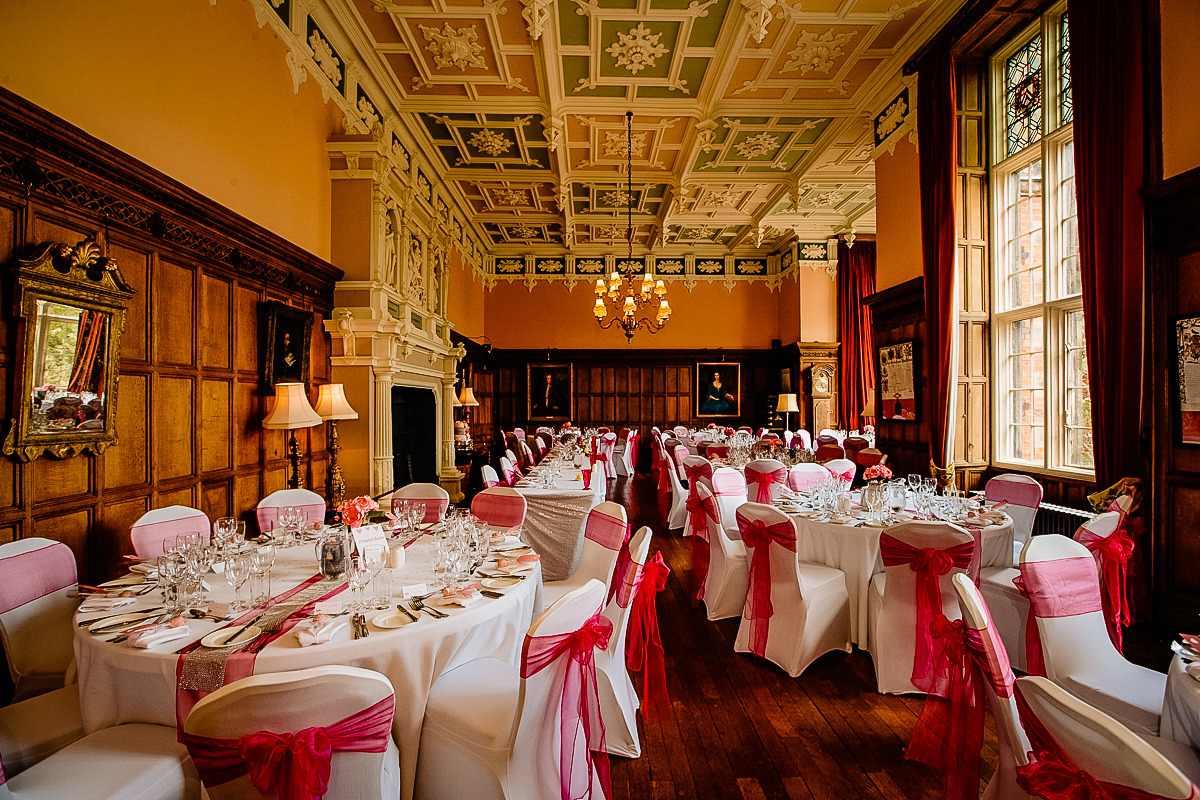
(752, 118)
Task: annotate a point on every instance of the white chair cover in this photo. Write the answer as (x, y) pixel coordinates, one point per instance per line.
(604, 534)
(811, 606)
(268, 508)
(490, 478)
(37, 581)
(32, 730)
(678, 513)
(608, 445)
(842, 466)
(680, 430)
(728, 570)
(696, 461)
(838, 435)
(155, 527)
(514, 461)
(892, 604)
(629, 455)
(500, 507)
(804, 476)
(289, 702)
(767, 466)
(511, 475)
(1023, 495)
(1078, 653)
(489, 735)
(1104, 748)
(127, 761)
(618, 699)
(729, 487)
(435, 498)
(805, 439)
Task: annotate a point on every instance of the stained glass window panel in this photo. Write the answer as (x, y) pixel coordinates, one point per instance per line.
(1064, 79)
(1023, 96)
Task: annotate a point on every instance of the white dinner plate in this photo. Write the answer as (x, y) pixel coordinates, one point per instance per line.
(119, 623)
(512, 551)
(502, 582)
(224, 637)
(132, 579)
(391, 619)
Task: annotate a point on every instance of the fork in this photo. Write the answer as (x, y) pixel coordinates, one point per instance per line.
(419, 605)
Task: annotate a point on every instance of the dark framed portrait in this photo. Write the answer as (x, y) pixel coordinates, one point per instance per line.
(550, 392)
(1185, 405)
(287, 334)
(718, 389)
(897, 393)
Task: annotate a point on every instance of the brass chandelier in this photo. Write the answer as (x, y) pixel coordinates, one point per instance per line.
(634, 313)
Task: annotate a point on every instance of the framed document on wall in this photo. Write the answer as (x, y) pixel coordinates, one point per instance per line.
(550, 392)
(897, 394)
(1187, 379)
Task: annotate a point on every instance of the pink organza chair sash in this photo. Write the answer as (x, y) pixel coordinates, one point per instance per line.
(949, 732)
(295, 766)
(267, 516)
(147, 539)
(435, 507)
(930, 564)
(1112, 554)
(695, 472)
(764, 481)
(700, 511)
(35, 573)
(759, 610)
(580, 697)
(1064, 587)
(643, 646)
(606, 531)
(1051, 774)
(1018, 493)
(846, 477)
(500, 510)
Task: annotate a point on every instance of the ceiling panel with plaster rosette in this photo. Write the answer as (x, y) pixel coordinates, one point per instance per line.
(751, 117)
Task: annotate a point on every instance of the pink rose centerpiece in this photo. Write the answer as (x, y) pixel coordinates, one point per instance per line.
(362, 510)
(877, 472)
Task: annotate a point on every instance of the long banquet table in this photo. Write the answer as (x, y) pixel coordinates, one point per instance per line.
(555, 519)
(120, 684)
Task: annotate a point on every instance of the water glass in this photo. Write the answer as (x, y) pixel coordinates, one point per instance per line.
(260, 586)
(237, 572)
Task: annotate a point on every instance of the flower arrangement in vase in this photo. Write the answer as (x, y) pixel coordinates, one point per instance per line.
(877, 472)
(362, 510)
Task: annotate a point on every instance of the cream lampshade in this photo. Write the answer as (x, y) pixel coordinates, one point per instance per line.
(467, 398)
(332, 403)
(290, 413)
(787, 404)
(457, 403)
(869, 407)
(332, 406)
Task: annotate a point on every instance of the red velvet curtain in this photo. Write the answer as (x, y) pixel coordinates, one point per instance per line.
(939, 150)
(1106, 67)
(855, 280)
(87, 373)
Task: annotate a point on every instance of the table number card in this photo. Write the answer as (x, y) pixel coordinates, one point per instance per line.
(368, 536)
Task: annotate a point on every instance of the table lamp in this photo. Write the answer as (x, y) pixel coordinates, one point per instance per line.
(787, 404)
(868, 411)
(332, 406)
(291, 412)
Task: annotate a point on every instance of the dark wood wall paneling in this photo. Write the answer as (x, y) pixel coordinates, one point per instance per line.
(1173, 278)
(191, 408)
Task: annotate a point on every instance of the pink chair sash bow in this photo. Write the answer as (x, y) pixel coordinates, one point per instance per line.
(695, 472)
(296, 766)
(1051, 774)
(580, 696)
(760, 535)
(764, 481)
(844, 477)
(930, 564)
(949, 732)
(700, 510)
(643, 647)
(1064, 587)
(1112, 554)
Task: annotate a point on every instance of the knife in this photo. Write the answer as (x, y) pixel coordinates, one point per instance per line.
(115, 626)
(88, 622)
(245, 627)
(407, 613)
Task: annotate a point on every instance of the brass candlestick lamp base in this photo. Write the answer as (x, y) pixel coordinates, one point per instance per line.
(337, 484)
(294, 480)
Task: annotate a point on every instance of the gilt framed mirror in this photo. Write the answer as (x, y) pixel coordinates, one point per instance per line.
(70, 301)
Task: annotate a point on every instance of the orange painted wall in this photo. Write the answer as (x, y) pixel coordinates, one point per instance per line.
(467, 299)
(897, 216)
(789, 310)
(194, 89)
(708, 316)
(351, 223)
(1180, 89)
(818, 306)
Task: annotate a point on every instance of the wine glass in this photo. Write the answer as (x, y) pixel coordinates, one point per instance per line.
(914, 482)
(376, 558)
(359, 575)
(170, 571)
(237, 572)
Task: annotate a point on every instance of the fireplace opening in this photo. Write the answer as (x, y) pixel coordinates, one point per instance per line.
(414, 436)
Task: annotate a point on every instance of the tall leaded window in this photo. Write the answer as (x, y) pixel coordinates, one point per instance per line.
(1043, 407)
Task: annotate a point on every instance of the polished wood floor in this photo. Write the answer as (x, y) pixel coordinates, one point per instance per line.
(741, 727)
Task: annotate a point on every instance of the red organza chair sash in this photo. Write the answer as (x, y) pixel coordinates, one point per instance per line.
(760, 535)
(500, 510)
(949, 732)
(700, 511)
(930, 564)
(846, 476)
(1112, 554)
(606, 531)
(296, 766)
(1051, 774)
(1063, 587)
(643, 647)
(695, 472)
(580, 696)
(33, 574)
(625, 576)
(764, 481)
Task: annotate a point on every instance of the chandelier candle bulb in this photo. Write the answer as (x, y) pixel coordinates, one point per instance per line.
(630, 308)
(599, 310)
(660, 289)
(600, 287)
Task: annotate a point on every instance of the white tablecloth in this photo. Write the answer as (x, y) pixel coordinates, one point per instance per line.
(855, 551)
(554, 522)
(1181, 706)
(119, 684)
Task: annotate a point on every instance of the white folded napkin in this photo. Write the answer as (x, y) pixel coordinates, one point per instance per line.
(96, 603)
(157, 634)
(311, 632)
(147, 569)
(465, 597)
(501, 540)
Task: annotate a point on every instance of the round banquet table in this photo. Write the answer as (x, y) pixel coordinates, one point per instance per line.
(120, 684)
(555, 518)
(1181, 706)
(855, 551)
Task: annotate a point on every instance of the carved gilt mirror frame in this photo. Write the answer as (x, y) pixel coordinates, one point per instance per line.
(71, 299)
